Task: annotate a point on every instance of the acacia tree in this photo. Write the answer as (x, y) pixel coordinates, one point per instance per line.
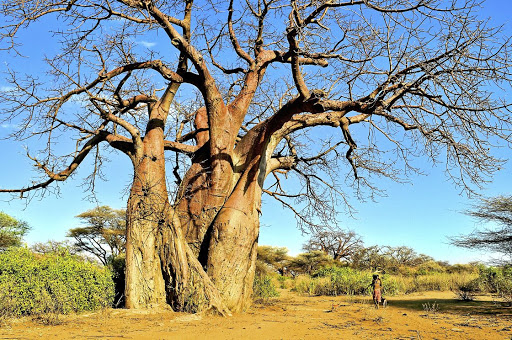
(103, 236)
(394, 79)
(308, 263)
(11, 231)
(495, 210)
(371, 258)
(340, 244)
(269, 257)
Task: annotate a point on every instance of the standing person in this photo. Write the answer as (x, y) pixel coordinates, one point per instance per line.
(377, 286)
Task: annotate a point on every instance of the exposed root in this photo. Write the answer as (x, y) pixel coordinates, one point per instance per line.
(188, 287)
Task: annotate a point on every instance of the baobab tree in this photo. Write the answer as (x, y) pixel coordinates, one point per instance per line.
(340, 244)
(233, 98)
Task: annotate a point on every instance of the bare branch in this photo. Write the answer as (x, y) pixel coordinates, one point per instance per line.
(61, 175)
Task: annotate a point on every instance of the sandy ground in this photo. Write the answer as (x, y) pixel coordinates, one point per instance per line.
(291, 316)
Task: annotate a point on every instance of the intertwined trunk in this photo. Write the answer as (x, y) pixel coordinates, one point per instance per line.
(199, 254)
(232, 245)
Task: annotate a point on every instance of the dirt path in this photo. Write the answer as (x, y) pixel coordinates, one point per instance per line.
(292, 317)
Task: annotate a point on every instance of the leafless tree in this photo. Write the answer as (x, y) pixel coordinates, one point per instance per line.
(247, 96)
(340, 244)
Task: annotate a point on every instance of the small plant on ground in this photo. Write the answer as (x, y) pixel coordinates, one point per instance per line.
(431, 308)
(467, 291)
(264, 289)
(465, 295)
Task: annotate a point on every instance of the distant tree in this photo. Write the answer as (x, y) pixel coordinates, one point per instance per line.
(472, 267)
(273, 258)
(104, 233)
(401, 255)
(405, 256)
(11, 231)
(53, 247)
(430, 267)
(496, 211)
(387, 258)
(370, 258)
(340, 244)
(307, 263)
(423, 258)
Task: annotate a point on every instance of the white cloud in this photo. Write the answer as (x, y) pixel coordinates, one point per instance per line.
(147, 44)
(6, 88)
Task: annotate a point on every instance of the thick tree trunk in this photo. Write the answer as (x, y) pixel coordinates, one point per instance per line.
(188, 287)
(223, 233)
(233, 242)
(199, 255)
(232, 256)
(146, 214)
(161, 269)
(145, 285)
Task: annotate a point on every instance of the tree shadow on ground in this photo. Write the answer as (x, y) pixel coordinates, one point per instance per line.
(479, 306)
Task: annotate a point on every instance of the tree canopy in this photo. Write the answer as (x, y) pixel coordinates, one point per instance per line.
(496, 214)
(351, 63)
(340, 244)
(11, 231)
(103, 234)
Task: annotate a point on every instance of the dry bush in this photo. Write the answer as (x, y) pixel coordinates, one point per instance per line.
(305, 284)
(465, 295)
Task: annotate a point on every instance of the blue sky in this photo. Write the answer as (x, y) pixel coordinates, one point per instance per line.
(421, 214)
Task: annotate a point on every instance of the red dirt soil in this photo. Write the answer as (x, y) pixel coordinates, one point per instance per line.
(431, 315)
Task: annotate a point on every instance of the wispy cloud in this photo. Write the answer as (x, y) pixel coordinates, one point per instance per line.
(6, 88)
(147, 44)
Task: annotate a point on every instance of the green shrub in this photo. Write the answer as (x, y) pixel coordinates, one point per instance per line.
(335, 281)
(347, 281)
(504, 290)
(58, 283)
(305, 284)
(430, 282)
(344, 281)
(285, 282)
(264, 288)
(497, 281)
(392, 285)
